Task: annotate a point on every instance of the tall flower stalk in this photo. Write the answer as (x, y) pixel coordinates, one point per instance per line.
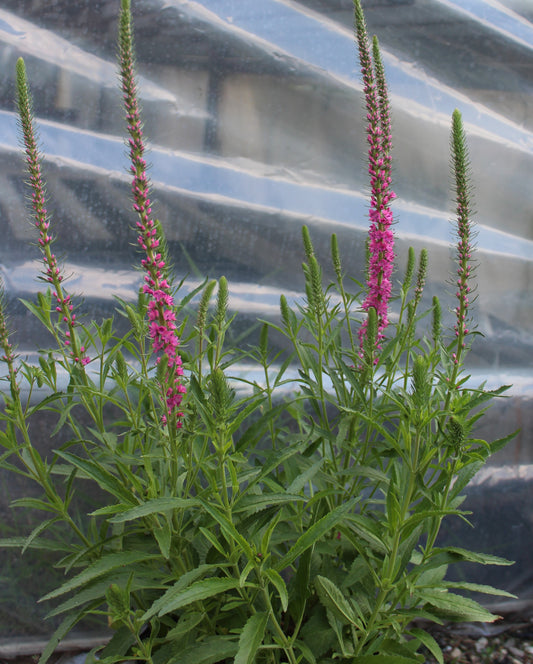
(381, 237)
(161, 314)
(52, 271)
(464, 233)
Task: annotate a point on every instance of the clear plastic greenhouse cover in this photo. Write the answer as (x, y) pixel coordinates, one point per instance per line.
(254, 114)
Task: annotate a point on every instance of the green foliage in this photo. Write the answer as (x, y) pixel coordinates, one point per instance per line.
(265, 530)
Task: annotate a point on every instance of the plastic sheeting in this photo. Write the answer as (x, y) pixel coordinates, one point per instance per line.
(255, 118)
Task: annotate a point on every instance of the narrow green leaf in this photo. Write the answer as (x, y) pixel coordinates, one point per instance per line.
(455, 606)
(45, 545)
(332, 598)
(163, 537)
(274, 460)
(278, 582)
(186, 624)
(478, 588)
(497, 445)
(243, 414)
(33, 504)
(251, 638)
(209, 651)
(98, 589)
(155, 506)
(306, 476)
(306, 651)
(101, 476)
(106, 564)
(316, 532)
(255, 503)
(457, 553)
(213, 541)
(64, 628)
(246, 573)
(365, 529)
(429, 642)
(465, 475)
(196, 592)
(174, 591)
(38, 530)
(229, 530)
(120, 643)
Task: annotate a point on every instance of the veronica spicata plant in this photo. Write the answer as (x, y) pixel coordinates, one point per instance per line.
(262, 527)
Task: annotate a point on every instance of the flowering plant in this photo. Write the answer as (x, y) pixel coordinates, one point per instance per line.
(253, 528)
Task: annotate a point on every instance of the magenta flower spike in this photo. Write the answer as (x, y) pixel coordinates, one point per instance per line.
(162, 328)
(381, 237)
(52, 270)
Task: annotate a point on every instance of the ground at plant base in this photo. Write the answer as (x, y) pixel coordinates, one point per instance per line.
(506, 642)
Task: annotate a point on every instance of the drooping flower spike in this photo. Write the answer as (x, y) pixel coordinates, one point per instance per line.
(381, 237)
(162, 329)
(52, 271)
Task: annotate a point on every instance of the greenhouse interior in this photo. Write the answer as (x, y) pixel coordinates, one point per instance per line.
(253, 111)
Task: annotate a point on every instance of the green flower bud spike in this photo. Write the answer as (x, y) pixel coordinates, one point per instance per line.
(52, 273)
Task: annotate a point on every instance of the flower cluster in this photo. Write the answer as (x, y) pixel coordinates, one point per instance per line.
(464, 232)
(52, 272)
(163, 331)
(381, 238)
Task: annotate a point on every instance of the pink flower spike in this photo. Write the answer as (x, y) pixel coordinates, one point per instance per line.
(161, 314)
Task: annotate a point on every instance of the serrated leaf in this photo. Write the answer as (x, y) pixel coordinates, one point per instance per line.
(456, 606)
(478, 588)
(306, 651)
(332, 599)
(100, 475)
(457, 553)
(155, 506)
(497, 445)
(118, 646)
(246, 572)
(209, 651)
(365, 528)
(185, 625)
(163, 537)
(97, 590)
(299, 482)
(278, 582)
(251, 638)
(255, 503)
(316, 532)
(196, 592)
(183, 582)
(38, 530)
(213, 541)
(45, 545)
(465, 475)
(429, 642)
(106, 564)
(32, 503)
(64, 628)
(229, 530)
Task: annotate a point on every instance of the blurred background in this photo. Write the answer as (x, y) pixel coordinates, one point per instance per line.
(255, 120)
